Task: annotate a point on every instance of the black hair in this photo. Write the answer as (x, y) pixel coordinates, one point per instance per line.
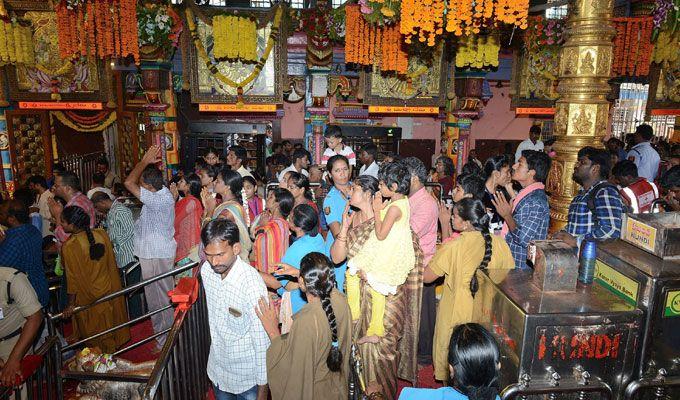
(38, 180)
(333, 131)
(473, 211)
(597, 157)
(250, 180)
(317, 272)
(99, 197)
(220, 229)
(210, 170)
(285, 142)
(395, 173)
(276, 146)
(671, 178)
(302, 182)
(471, 168)
(18, 209)
(539, 162)
(416, 168)
(240, 152)
(300, 153)
(305, 218)
(334, 159)
(58, 168)
(232, 180)
(473, 184)
(449, 168)
(475, 357)
(103, 161)
(71, 180)
(212, 150)
(77, 217)
(25, 196)
(285, 200)
(535, 129)
(367, 183)
(98, 178)
(280, 159)
(625, 168)
(371, 149)
(617, 142)
(194, 183)
(495, 163)
(645, 131)
(153, 176)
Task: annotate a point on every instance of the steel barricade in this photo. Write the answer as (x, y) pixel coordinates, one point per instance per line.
(84, 166)
(657, 387)
(554, 390)
(180, 372)
(41, 370)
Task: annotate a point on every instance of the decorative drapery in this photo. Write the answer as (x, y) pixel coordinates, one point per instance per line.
(93, 123)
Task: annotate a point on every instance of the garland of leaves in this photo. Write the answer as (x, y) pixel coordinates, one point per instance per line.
(212, 67)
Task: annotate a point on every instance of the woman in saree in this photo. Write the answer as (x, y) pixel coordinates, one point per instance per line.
(334, 205)
(188, 211)
(298, 185)
(229, 185)
(91, 273)
(272, 232)
(394, 355)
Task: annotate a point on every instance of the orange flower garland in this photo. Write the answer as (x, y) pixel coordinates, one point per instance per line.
(632, 46)
(98, 28)
(422, 17)
(464, 18)
(367, 44)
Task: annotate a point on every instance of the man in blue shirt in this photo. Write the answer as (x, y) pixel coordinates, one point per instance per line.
(527, 218)
(595, 213)
(21, 247)
(643, 154)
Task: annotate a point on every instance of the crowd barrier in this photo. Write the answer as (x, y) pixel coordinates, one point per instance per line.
(84, 166)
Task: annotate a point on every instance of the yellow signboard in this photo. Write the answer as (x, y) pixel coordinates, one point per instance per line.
(616, 282)
(402, 110)
(640, 234)
(672, 308)
(203, 107)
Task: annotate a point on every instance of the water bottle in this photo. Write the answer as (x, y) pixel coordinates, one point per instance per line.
(586, 268)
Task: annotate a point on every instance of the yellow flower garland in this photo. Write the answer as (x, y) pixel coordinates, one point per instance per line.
(234, 38)
(16, 44)
(477, 52)
(59, 115)
(203, 54)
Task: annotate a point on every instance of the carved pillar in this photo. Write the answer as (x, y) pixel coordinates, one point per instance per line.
(582, 111)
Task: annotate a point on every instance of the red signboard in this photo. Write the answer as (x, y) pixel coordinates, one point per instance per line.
(670, 111)
(535, 111)
(58, 105)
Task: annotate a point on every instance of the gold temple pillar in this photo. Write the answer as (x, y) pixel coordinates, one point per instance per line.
(582, 110)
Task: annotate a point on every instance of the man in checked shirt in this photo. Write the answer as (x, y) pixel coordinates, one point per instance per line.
(595, 213)
(237, 364)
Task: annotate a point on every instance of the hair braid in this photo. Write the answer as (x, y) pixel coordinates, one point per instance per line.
(474, 284)
(96, 249)
(334, 359)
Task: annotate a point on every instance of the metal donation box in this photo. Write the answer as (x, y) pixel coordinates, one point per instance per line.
(554, 331)
(644, 271)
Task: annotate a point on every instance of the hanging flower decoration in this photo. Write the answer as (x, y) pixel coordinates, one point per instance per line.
(424, 18)
(367, 44)
(158, 26)
(98, 28)
(465, 17)
(380, 12)
(543, 32)
(16, 42)
(632, 46)
(477, 52)
(666, 13)
(234, 38)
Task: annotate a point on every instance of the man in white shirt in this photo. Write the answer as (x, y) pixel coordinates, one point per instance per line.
(38, 185)
(643, 154)
(532, 143)
(367, 156)
(98, 186)
(236, 156)
(237, 363)
(300, 163)
(154, 235)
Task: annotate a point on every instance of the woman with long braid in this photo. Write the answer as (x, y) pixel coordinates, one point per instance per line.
(91, 273)
(459, 262)
(311, 361)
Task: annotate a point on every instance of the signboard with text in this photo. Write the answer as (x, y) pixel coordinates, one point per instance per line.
(59, 105)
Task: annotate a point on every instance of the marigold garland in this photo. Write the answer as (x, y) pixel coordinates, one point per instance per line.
(203, 54)
(103, 120)
(465, 17)
(477, 52)
(367, 44)
(422, 17)
(632, 46)
(234, 38)
(101, 28)
(16, 43)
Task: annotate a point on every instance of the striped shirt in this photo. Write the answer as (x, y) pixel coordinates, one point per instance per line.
(120, 227)
(155, 227)
(346, 151)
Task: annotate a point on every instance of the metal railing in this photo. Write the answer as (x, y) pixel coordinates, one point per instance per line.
(41, 370)
(84, 165)
(554, 390)
(658, 387)
(180, 372)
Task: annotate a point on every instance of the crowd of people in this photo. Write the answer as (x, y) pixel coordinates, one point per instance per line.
(304, 261)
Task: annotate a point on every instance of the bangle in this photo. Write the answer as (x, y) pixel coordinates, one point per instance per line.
(342, 238)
